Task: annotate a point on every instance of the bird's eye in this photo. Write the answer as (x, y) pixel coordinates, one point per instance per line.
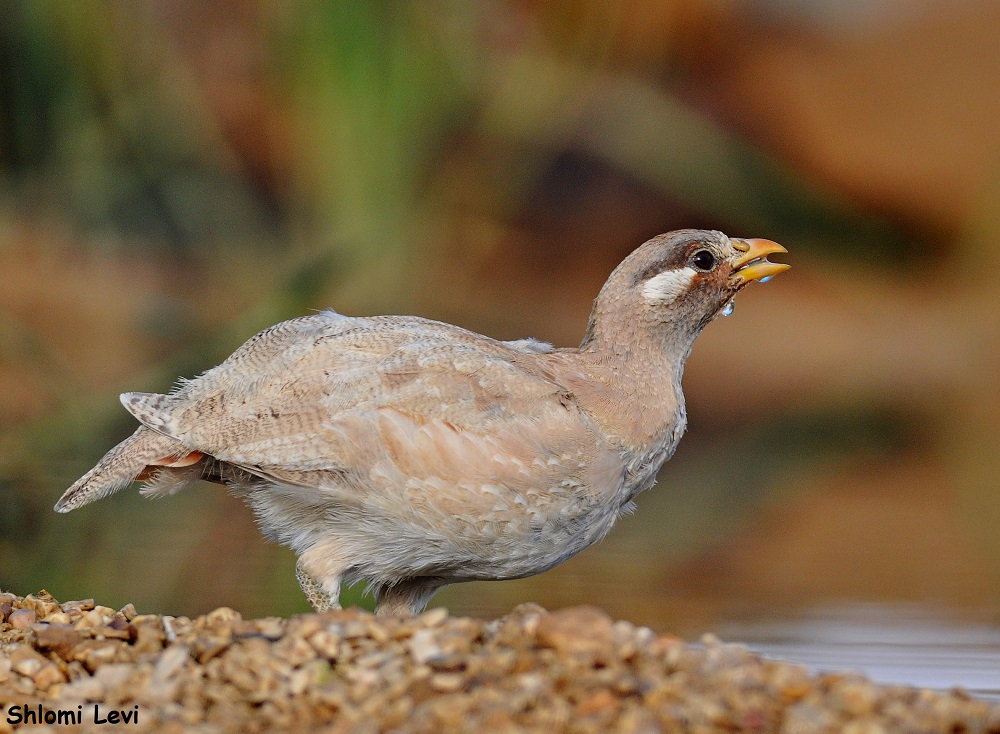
(703, 260)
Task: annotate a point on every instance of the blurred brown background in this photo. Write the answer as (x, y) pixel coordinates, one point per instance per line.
(176, 176)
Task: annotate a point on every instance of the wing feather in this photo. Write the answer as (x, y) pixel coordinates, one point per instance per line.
(389, 407)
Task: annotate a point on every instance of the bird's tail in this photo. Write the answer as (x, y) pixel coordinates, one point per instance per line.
(124, 463)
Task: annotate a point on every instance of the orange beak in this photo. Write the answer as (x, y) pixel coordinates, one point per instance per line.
(753, 264)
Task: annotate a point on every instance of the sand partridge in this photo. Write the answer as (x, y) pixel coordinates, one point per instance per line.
(412, 454)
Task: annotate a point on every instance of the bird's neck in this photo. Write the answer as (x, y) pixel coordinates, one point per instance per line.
(636, 368)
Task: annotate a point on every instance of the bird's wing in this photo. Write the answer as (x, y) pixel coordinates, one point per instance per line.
(378, 405)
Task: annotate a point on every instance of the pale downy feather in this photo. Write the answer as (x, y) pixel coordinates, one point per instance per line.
(167, 481)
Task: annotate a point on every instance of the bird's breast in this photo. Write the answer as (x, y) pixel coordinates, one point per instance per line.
(643, 466)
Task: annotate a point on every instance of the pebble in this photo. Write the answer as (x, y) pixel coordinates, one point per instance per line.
(531, 670)
(57, 637)
(447, 682)
(433, 617)
(21, 619)
(89, 688)
(26, 661)
(48, 675)
(575, 630)
(424, 647)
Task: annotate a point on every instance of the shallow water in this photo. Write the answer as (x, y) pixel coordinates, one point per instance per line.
(911, 645)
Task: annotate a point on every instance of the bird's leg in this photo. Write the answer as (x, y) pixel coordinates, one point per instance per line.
(409, 596)
(319, 570)
(322, 597)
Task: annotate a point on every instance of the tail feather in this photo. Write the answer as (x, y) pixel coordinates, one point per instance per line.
(120, 466)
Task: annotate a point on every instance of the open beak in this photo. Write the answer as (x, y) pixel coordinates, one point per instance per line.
(753, 264)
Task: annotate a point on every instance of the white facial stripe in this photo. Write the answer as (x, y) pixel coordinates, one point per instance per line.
(667, 286)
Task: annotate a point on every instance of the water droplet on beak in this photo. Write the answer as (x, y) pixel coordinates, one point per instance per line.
(766, 278)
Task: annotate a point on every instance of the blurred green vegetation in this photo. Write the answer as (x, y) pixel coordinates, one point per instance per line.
(175, 177)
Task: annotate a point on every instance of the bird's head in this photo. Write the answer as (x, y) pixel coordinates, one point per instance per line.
(679, 281)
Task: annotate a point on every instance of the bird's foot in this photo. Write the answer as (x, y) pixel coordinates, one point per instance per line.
(319, 597)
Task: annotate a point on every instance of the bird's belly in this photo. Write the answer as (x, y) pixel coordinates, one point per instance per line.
(387, 542)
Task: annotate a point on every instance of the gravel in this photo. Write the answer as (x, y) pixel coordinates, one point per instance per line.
(571, 670)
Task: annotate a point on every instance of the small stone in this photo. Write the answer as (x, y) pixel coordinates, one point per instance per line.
(863, 727)
(94, 618)
(95, 653)
(326, 643)
(294, 650)
(447, 682)
(59, 638)
(423, 647)
(206, 647)
(668, 648)
(223, 616)
(25, 661)
(170, 662)
(21, 619)
(534, 684)
(433, 617)
(47, 676)
(81, 605)
(43, 604)
(88, 688)
(271, 627)
(168, 627)
(857, 697)
(149, 635)
(449, 662)
(118, 628)
(377, 633)
(638, 720)
(578, 629)
(353, 629)
(599, 702)
(114, 675)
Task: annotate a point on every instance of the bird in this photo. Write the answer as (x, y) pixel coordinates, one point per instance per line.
(411, 454)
